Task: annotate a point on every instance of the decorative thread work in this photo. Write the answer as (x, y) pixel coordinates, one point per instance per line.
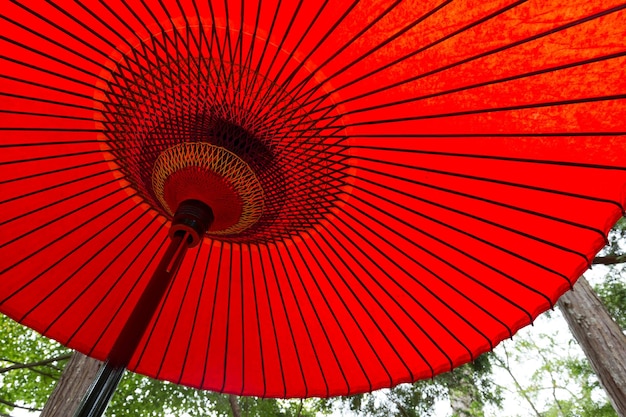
(219, 161)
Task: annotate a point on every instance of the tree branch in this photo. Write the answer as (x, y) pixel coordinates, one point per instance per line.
(35, 364)
(609, 259)
(520, 389)
(18, 406)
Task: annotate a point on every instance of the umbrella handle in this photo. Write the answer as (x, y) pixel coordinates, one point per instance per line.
(190, 223)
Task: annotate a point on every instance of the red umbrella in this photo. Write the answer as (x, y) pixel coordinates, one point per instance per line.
(388, 188)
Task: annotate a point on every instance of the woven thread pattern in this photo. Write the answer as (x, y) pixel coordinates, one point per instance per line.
(219, 161)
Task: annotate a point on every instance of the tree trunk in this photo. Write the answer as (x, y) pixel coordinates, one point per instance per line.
(234, 405)
(464, 395)
(601, 339)
(69, 391)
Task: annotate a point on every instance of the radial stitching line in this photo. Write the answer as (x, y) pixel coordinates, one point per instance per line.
(178, 312)
(369, 314)
(119, 279)
(492, 180)
(302, 319)
(475, 217)
(273, 319)
(451, 247)
(128, 294)
(427, 311)
(84, 264)
(306, 291)
(6, 298)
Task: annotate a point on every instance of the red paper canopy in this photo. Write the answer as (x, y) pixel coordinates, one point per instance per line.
(398, 185)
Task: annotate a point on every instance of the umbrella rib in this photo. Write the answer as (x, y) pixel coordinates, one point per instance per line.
(237, 58)
(306, 290)
(445, 282)
(305, 34)
(435, 296)
(68, 278)
(135, 281)
(148, 332)
(248, 61)
(177, 37)
(321, 42)
(92, 31)
(243, 317)
(366, 310)
(466, 214)
(42, 100)
(58, 185)
(302, 319)
(60, 28)
(475, 57)
(212, 244)
(508, 276)
(49, 87)
(45, 158)
(258, 321)
(57, 116)
(368, 272)
(52, 242)
(287, 318)
(227, 318)
(297, 89)
(355, 321)
(216, 278)
(143, 44)
(415, 52)
(62, 200)
(273, 319)
(263, 101)
(495, 181)
(53, 171)
(412, 296)
(220, 53)
(55, 59)
(478, 85)
(178, 311)
(481, 135)
(385, 42)
(461, 231)
(302, 84)
(491, 110)
(133, 50)
(118, 279)
(492, 157)
(408, 274)
(264, 53)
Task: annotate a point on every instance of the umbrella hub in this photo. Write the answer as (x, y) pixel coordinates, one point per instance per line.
(216, 177)
(271, 161)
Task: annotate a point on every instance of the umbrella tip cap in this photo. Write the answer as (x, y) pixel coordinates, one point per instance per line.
(193, 217)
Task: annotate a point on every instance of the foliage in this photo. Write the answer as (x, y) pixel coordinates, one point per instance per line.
(561, 382)
(419, 399)
(612, 289)
(28, 386)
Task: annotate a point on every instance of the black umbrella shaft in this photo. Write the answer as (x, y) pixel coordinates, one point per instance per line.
(144, 310)
(103, 387)
(98, 396)
(190, 223)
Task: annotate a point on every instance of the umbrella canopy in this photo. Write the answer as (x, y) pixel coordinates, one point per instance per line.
(397, 186)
